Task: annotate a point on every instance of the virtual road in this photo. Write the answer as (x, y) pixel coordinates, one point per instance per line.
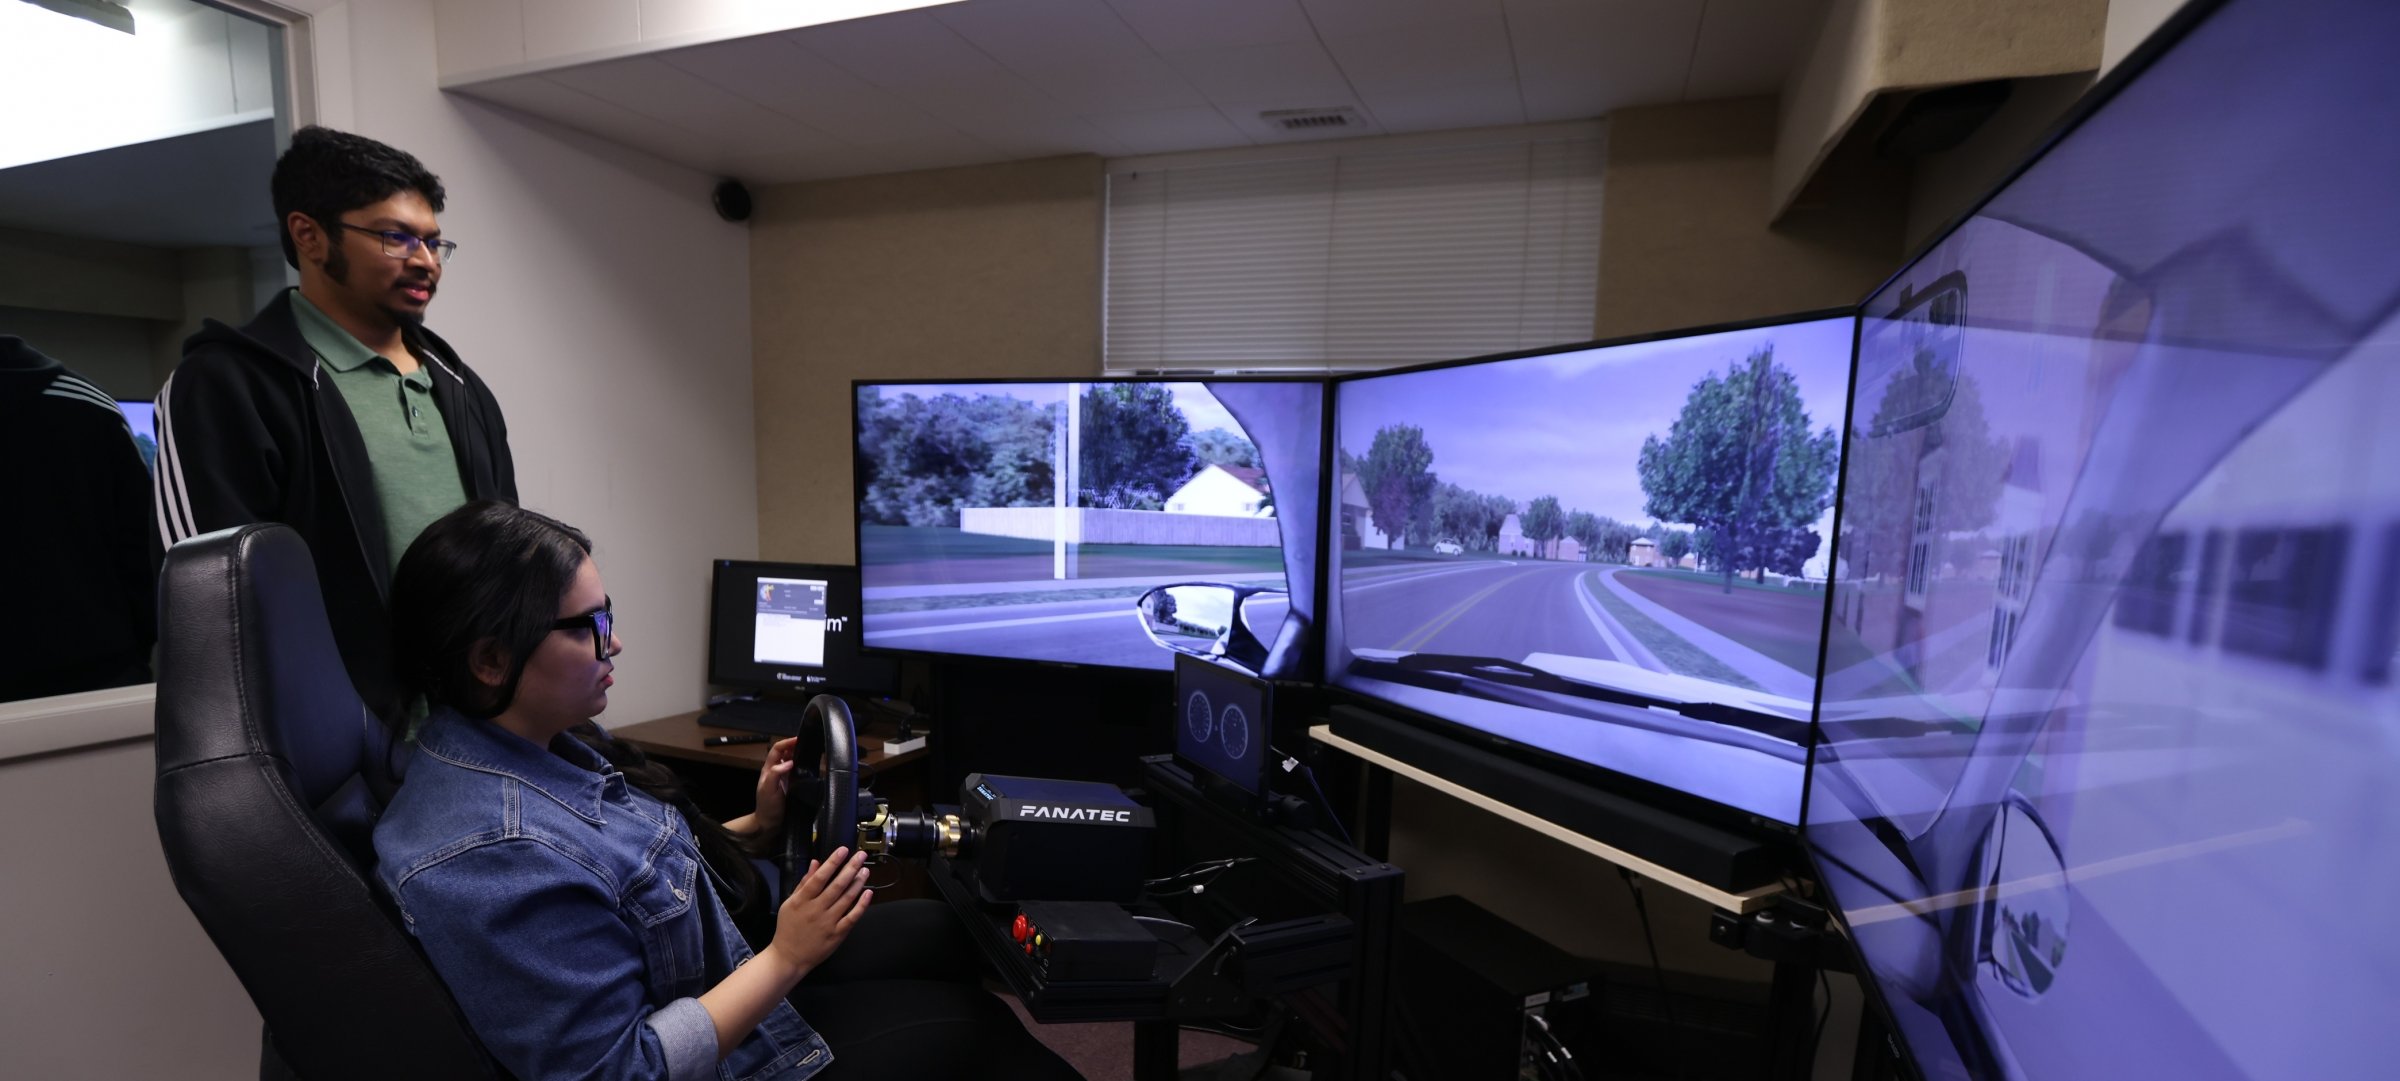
(1759, 638)
(1096, 631)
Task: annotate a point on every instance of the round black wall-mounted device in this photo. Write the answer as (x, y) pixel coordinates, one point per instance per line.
(732, 200)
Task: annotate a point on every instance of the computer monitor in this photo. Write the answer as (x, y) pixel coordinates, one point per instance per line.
(1223, 722)
(140, 419)
(2110, 733)
(1610, 558)
(790, 626)
(1024, 520)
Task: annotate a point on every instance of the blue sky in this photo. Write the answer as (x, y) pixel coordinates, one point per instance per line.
(1572, 424)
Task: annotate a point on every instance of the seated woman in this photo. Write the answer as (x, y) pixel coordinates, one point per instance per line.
(578, 905)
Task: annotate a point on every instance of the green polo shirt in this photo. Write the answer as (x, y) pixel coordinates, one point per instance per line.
(416, 472)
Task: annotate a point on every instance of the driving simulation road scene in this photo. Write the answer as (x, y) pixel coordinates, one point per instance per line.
(996, 521)
(1632, 526)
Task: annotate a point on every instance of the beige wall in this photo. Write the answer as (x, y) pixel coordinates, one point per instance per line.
(107, 974)
(1684, 238)
(954, 273)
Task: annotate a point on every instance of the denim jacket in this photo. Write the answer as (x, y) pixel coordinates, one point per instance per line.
(570, 914)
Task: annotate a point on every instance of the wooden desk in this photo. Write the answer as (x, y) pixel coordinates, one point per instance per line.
(678, 737)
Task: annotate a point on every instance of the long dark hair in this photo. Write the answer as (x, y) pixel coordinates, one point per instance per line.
(494, 572)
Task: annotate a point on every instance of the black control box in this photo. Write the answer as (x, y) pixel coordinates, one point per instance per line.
(1054, 840)
(1084, 940)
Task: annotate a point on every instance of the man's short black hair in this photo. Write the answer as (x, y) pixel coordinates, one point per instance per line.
(328, 173)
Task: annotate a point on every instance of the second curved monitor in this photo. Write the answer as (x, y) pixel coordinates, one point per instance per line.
(1610, 557)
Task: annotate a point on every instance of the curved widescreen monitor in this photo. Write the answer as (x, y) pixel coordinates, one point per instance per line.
(1025, 520)
(1612, 557)
(2110, 732)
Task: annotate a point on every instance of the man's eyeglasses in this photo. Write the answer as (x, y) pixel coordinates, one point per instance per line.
(400, 245)
(601, 623)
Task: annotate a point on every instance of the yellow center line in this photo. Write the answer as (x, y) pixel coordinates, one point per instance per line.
(1416, 639)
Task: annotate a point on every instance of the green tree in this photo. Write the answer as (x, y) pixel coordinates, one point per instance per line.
(1544, 521)
(1740, 460)
(1588, 531)
(1217, 446)
(1135, 451)
(1397, 476)
(922, 459)
(1496, 509)
(1616, 539)
(1706, 550)
(1673, 545)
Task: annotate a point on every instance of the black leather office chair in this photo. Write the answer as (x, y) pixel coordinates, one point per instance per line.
(270, 774)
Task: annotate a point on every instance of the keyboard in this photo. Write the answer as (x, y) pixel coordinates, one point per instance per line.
(772, 718)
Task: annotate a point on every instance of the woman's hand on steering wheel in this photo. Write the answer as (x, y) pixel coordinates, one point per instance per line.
(774, 784)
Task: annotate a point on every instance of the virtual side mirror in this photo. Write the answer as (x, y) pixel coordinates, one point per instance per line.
(2023, 938)
(1207, 619)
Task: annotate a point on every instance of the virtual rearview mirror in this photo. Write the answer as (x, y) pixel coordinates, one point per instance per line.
(1206, 619)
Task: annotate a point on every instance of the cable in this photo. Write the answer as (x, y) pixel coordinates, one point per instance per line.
(1323, 801)
(1196, 878)
(1666, 1000)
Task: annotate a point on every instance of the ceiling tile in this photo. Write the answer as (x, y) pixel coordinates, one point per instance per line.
(1433, 56)
(655, 89)
(1300, 72)
(779, 74)
(1126, 84)
(1586, 58)
(1010, 116)
(1168, 131)
(1183, 25)
(1482, 106)
(1349, 18)
(1025, 33)
(1077, 51)
(538, 95)
(1748, 46)
(910, 48)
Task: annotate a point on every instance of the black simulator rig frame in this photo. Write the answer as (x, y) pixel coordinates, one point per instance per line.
(1048, 876)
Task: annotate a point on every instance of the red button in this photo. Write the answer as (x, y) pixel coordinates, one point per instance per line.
(1019, 929)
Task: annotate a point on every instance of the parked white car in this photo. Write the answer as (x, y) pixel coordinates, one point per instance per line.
(1447, 548)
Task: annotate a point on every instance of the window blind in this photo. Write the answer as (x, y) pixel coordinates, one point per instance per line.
(1353, 259)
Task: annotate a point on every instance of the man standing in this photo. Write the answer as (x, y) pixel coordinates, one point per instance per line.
(334, 411)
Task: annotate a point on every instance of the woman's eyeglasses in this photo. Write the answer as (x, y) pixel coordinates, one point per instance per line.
(601, 623)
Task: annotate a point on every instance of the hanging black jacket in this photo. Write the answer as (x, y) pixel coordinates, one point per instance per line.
(252, 429)
(77, 586)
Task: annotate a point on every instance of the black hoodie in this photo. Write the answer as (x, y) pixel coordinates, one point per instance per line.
(77, 608)
(250, 430)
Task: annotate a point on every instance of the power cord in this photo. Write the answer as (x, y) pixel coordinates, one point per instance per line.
(1666, 999)
(1195, 878)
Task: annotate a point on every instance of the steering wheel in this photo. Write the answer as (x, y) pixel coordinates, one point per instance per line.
(826, 729)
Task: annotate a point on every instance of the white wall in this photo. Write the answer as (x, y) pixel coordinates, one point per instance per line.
(610, 311)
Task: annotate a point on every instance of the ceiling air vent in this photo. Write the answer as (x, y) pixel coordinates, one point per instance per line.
(1312, 120)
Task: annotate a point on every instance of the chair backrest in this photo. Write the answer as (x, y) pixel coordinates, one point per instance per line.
(270, 774)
